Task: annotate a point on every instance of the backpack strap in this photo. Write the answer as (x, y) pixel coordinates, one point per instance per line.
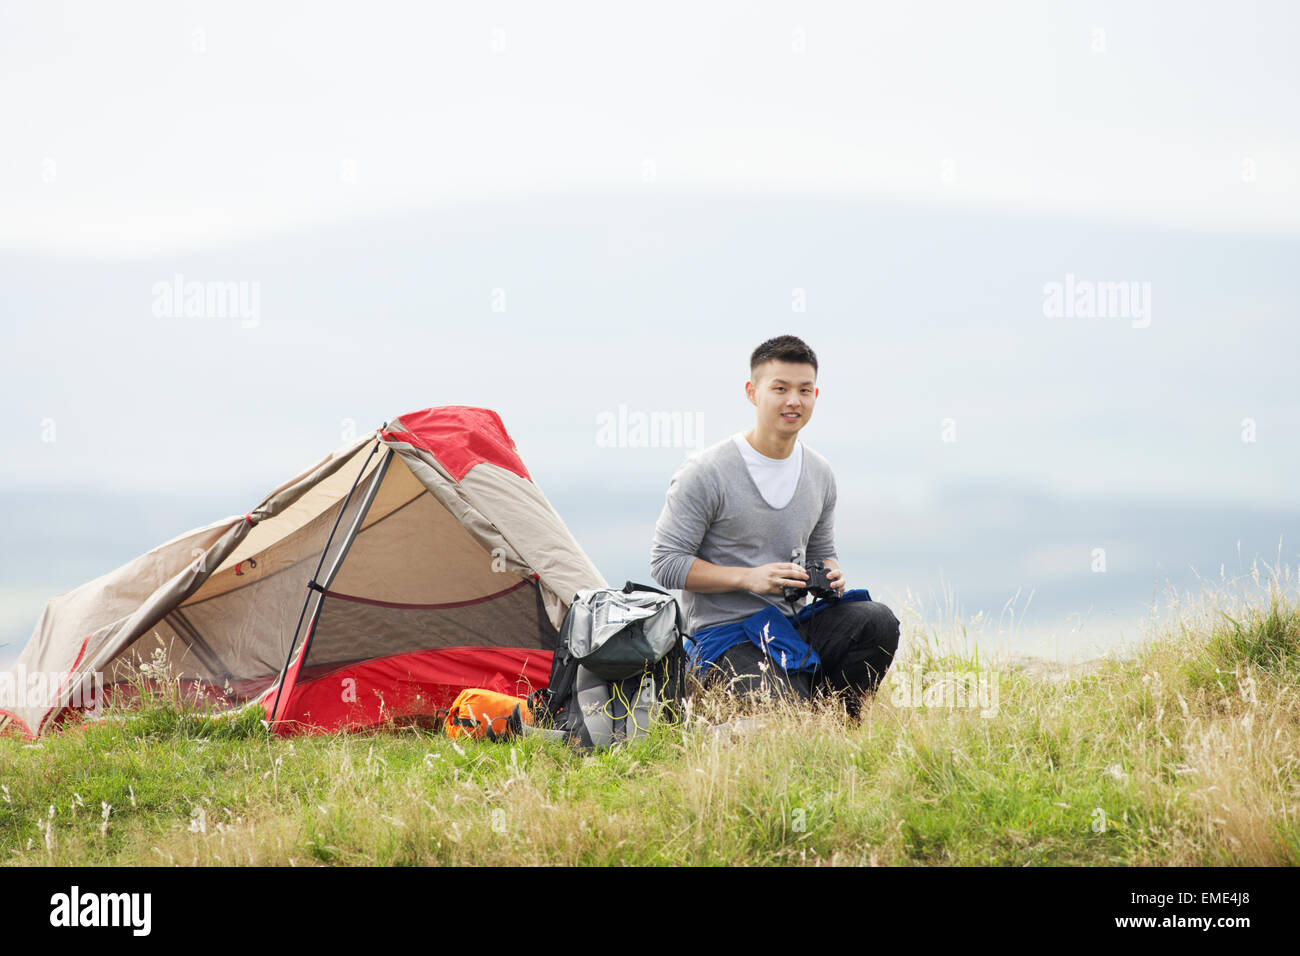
(561, 688)
(633, 586)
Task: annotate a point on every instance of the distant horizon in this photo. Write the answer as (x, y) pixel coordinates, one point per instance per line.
(1084, 217)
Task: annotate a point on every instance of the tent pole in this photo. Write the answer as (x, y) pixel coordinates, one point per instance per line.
(320, 564)
(363, 509)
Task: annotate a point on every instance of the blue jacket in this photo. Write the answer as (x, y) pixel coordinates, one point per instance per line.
(770, 631)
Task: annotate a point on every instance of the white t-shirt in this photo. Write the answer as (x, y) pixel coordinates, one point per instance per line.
(776, 478)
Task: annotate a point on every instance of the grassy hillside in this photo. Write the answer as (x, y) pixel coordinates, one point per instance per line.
(1185, 753)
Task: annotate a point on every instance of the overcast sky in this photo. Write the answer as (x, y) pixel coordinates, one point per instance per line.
(143, 127)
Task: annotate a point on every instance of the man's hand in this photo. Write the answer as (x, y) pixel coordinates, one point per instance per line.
(835, 576)
(770, 578)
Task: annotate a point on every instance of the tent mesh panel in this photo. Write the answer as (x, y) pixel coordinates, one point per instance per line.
(349, 630)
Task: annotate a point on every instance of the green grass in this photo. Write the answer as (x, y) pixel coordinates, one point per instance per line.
(1183, 754)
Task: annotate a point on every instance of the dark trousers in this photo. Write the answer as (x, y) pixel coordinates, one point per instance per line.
(855, 640)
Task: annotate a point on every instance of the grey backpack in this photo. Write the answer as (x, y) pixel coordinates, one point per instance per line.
(619, 668)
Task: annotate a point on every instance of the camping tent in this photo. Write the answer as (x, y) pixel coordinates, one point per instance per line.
(412, 563)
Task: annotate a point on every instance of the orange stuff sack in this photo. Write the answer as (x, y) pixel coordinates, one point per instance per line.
(486, 713)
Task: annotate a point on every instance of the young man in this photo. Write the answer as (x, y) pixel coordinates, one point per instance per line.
(740, 520)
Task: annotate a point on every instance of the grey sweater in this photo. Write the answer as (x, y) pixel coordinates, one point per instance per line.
(714, 511)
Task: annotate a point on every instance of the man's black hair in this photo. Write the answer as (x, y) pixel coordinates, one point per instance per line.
(783, 348)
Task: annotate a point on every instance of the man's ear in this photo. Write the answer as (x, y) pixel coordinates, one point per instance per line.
(749, 393)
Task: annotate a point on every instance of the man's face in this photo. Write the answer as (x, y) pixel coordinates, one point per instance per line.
(784, 394)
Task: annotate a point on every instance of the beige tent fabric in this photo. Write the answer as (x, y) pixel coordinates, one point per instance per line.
(419, 554)
(88, 627)
(238, 625)
(77, 625)
(301, 509)
(535, 540)
(535, 530)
